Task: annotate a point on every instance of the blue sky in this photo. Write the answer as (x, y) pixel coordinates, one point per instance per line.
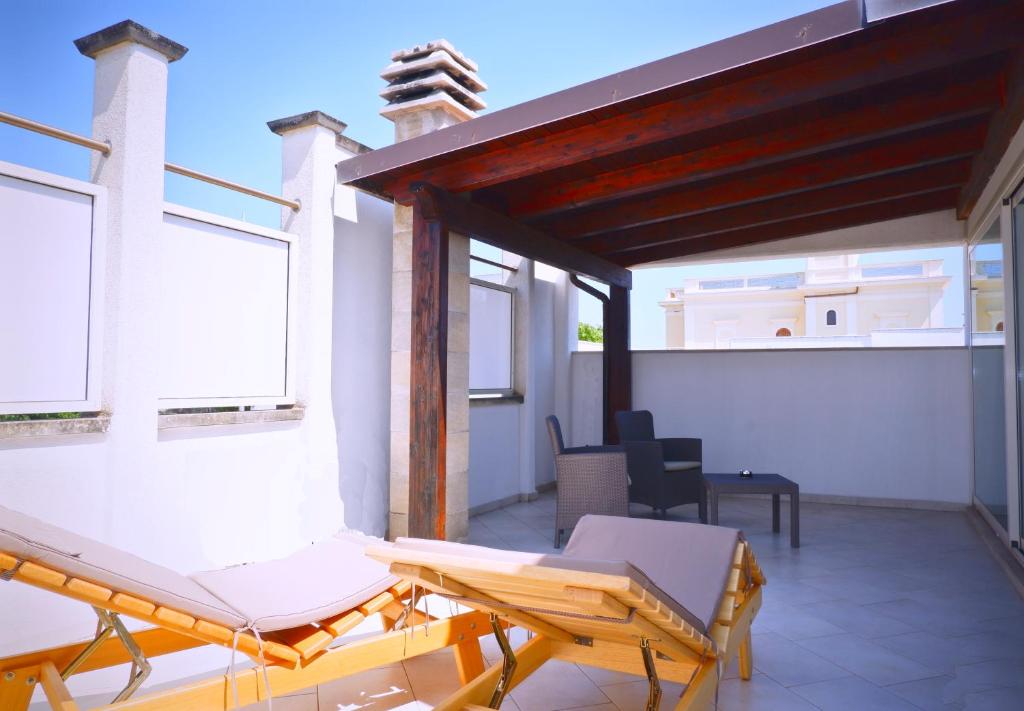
(253, 61)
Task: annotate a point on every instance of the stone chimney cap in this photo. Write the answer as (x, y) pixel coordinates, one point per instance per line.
(436, 60)
(423, 85)
(310, 118)
(129, 31)
(405, 55)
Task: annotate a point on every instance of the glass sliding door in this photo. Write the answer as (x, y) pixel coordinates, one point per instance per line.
(1017, 226)
(987, 347)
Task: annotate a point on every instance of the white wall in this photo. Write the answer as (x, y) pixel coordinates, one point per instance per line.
(361, 374)
(887, 424)
(494, 452)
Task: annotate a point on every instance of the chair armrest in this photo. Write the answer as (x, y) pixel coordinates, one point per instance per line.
(682, 449)
(645, 462)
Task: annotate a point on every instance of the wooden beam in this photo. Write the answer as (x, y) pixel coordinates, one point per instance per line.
(428, 381)
(982, 31)
(1004, 125)
(851, 217)
(837, 197)
(807, 131)
(618, 361)
(492, 227)
(959, 140)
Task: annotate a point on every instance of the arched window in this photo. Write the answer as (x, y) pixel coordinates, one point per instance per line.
(783, 333)
(830, 317)
(999, 326)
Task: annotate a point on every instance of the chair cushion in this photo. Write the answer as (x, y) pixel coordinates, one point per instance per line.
(30, 539)
(324, 579)
(690, 562)
(681, 466)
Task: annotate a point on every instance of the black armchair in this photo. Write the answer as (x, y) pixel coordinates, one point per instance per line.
(665, 472)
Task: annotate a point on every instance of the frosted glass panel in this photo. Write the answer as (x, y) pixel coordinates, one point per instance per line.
(45, 263)
(490, 339)
(223, 312)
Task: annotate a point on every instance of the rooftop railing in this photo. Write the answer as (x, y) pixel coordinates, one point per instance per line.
(104, 148)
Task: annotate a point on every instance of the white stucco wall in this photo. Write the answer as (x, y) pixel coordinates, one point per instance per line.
(361, 374)
(494, 452)
(885, 424)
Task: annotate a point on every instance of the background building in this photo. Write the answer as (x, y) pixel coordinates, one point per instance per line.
(835, 302)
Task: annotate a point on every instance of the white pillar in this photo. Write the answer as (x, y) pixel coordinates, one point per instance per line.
(129, 112)
(309, 154)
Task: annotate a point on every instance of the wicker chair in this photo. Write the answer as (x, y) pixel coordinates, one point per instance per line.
(665, 472)
(591, 480)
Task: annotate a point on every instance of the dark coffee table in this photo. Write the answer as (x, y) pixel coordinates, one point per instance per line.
(774, 484)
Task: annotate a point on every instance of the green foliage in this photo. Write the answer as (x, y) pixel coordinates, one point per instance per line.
(590, 332)
(41, 416)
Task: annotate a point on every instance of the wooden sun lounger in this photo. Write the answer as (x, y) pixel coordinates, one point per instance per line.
(604, 613)
(296, 657)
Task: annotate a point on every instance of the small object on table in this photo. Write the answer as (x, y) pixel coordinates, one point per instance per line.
(774, 484)
(746, 474)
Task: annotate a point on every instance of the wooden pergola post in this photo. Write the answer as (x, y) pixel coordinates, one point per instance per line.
(428, 381)
(617, 363)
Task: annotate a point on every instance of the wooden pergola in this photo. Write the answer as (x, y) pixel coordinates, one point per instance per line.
(861, 112)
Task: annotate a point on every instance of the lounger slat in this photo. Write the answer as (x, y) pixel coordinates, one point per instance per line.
(622, 658)
(376, 604)
(340, 624)
(214, 631)
(433, 582)
(7, 562)
(133, 605)
(173, 618)
(35, 573)
(89, 590)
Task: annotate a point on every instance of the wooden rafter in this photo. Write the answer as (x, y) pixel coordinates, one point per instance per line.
(812, 224)
(893, 155)
(803, 132)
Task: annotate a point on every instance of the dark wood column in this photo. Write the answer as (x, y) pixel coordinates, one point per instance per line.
(617, 363)
(429, 372)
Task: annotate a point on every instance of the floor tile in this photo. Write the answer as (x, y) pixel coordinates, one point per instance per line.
(761, 693)
(851, 694)
(867, 659)
(788, 663)
(556, 686)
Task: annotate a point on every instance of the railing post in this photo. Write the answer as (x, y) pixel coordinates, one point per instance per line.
(129, 112)
(309, 154)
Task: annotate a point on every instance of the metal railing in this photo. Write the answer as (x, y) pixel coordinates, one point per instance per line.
(53, 132)
(104, 148)
(189, 173)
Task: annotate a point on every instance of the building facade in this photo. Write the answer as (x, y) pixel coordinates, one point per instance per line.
(835, 302)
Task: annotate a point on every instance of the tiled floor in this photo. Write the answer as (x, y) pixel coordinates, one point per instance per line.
(880, 609)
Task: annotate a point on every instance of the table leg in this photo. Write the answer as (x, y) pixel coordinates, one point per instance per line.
(794, 519)
(712, 507)
(775, 513)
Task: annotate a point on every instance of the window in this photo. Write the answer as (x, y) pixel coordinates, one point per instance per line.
(783, 333)
(490, 337)
(830, 317)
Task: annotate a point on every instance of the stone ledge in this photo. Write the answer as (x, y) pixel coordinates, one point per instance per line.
(495, 399)
(129, 31)
(310, 118)
(41, 428)
(235, 417)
